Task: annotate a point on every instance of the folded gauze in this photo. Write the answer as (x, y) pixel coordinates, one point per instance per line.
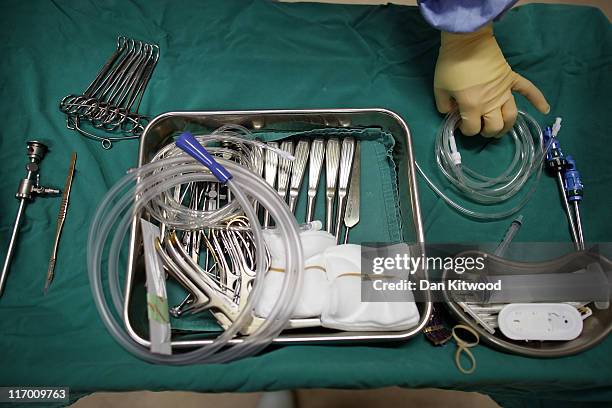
(315, 286)
(346, 311)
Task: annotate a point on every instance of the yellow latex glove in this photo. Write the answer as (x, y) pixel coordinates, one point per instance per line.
(473, 75)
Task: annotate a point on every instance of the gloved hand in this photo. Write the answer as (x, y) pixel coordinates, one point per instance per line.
(473, 75)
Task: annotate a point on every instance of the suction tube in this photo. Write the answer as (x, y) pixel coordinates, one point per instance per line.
(528, 156)
(145, 185)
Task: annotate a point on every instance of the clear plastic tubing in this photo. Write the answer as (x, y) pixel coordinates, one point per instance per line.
(136, 190)
(528, 156)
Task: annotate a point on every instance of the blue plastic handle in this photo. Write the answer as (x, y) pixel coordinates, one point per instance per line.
(573, 182)
(191, 146)
(554, 150)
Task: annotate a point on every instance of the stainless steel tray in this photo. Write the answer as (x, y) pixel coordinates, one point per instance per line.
(159, 132)
(595, 329)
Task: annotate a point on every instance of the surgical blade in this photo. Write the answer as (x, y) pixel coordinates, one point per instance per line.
(351, 217)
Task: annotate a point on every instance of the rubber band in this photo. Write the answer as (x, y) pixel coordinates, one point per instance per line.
(464, 347)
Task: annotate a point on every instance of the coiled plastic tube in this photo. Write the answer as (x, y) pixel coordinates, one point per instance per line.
(117, 211)
(527, 160)
(179, 216)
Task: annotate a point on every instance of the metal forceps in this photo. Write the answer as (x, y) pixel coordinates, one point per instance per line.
(207, 293)
(112, 99)
(241, 251)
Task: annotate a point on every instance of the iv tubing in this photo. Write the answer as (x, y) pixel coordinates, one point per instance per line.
(528, 157)
(120, 210)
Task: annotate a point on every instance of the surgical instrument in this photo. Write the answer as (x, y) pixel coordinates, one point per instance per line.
(317, 151)
(351, 216)
(332, 163)
(482, 313)
(158, 177)
(297, 173)
(509, 236)
(528, 156)
(346, 163)
(61, 218)
(270, 175)
(112, 100)
(28, 189)
(267, 128)
(556, 163)
(257, 163)
(284, 169)
(573, 189)
(479, 319)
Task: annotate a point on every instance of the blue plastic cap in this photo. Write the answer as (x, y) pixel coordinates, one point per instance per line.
(571, 163)
(547, 133)
(191, 146)
(573, 182)
(554, 151)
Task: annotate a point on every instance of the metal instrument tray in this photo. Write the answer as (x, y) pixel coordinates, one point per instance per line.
(596, 327)
(159, 133)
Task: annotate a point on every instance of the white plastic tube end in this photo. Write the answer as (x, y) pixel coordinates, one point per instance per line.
(556, 127)
(456, 156)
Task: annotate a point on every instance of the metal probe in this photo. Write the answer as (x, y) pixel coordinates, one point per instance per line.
(573, 189)
(29, 187)
(61, 218)
(556, 163)
(579, 224)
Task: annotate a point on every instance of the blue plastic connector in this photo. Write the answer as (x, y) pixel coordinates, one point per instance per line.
(572, 181)
(191, 146)
(555, 160)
